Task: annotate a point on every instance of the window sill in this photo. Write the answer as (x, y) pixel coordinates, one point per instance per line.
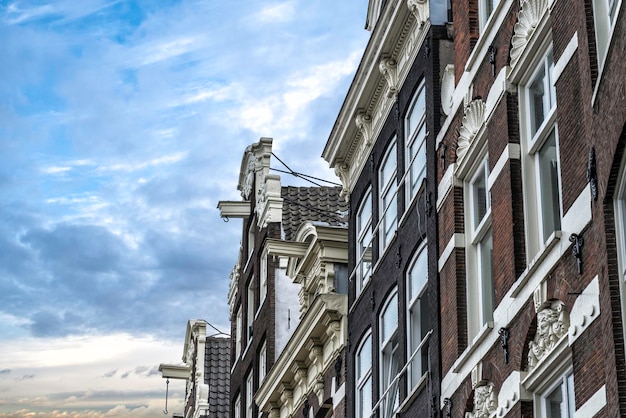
(517, 287)
(408, 401)
(482, 334)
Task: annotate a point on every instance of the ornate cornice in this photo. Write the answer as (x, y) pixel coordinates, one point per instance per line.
(364, 124)
(420, 10)
(528, 18)
(388, 67)
(472, 122)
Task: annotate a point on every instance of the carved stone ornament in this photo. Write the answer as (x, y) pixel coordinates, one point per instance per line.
(249, 182)
(389, 69)
(260, 198)
(531, 12)
(447, 89)
(420, 10)
(343, 172)
(364, 123)
(552, 324)
(485, 400)
(472, 121)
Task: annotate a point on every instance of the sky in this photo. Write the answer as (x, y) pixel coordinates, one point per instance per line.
(122, 124)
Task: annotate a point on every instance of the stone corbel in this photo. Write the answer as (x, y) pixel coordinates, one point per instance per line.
(300, 372)
(318, 388)
(364, 124)
(286, 395)
(420, 10)
(343, 172)
(316, 352)
(389, 69)
(275, 410)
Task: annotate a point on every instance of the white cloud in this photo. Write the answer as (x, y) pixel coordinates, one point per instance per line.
(276, 13)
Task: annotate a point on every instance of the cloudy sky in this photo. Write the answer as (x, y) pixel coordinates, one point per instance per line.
(122, 124)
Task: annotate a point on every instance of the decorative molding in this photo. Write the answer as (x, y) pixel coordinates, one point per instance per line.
(420, 10)
(343, 172)
(531, 12)
(364, 124)
(585, 310)
(485, 400)
(388, 67)
(552, 324)
(447, 89)
(248, 184)
(472, 121)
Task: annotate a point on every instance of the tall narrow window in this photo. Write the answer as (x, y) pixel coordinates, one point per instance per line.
(485, 9)
(364, 241)
(363, 378)
(388, 190)
(251, 310)
(418, 323)
(541, 156)
(237, 407)
(262, 363)
(238, 333)
(479, 251)
(415, 138)
(620, 232)
(263, 281)
(389, 356)
(249, 395)
(558, 400)
(604, 14)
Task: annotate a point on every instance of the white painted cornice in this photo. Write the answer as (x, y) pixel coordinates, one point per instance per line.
(175, 371)
(234, 209)
(387, 59)
(285, 248)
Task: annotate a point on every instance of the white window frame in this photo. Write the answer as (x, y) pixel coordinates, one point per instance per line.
(250, 243)
(389, 352)
(486, 8)
(565, 383)
(363, 377)
(620, 235)
(364, 235)
(250, 394)
(533, 142)
(418, 326)
(605, 13)
(263, 282)
(388, 192)
(262, 363)
(238, 332)
(415, 139)
(251, 311)
(237, 407)
(480, 289)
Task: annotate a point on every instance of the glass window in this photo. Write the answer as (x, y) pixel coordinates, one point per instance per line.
(251, 310)
(418, 323)
(363, 377)
(364, 241)
(238, 333)
(415, 135)
(262, 363)
(249, 395)
(237, 407)
(485, 9)
(263, 280)
(604, 14)
(558, 401)
(542, 197)
(388, 188)
(389, 357)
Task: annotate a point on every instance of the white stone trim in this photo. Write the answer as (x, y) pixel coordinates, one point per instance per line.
(511, 393)
(585, 310)
(445, 186)
(456, 241)
(593, 404)
(511, 152)
(565, 58)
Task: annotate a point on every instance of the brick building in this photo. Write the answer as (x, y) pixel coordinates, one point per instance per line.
(530, 203)
(269, 292)
(381, 147)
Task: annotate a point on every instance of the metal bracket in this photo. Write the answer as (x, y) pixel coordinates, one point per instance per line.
(592, 174)
(504, 342)
(447, 406)
(577, 250)
(492, 59)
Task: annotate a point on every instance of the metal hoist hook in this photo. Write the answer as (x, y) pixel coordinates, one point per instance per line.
(167, 387)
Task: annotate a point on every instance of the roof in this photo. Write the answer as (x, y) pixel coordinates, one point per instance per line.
(217, 375)
(316, 204)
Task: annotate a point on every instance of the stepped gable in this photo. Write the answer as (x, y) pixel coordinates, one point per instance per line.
(217, 375)
(317, 204)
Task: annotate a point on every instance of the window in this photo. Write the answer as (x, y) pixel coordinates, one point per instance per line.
(558, 400)
(415, 135)
(251, 310)
(364, 241)
(249, 395)
(263, 280)
(620, 231)
(238, 333)
(237, 407)
(363, 378)
(389, 357)
(418, 324)
(262, 363)
(541, 156)
(388, 188)
(479, 251)
(485, 9)
(251, 239)
(604, 14)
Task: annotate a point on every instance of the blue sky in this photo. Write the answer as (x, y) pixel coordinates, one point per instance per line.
(122, 124)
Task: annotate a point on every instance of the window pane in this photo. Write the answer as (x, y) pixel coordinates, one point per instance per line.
(486, 273)
(417, 113)
(418, 166)
(571, 405)
(549, 187)
(479, 198)
(554, 402)
(364, 358)
(365, 398)
(418, 275)
(388, 169)
(536, 93)
(389, 321)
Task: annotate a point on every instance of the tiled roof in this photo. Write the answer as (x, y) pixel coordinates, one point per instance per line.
(317, 204)
(217, 375)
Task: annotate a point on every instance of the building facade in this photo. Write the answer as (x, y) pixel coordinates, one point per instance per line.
(530, 208)
(205, 369)
(382, 148)
(265, 302)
